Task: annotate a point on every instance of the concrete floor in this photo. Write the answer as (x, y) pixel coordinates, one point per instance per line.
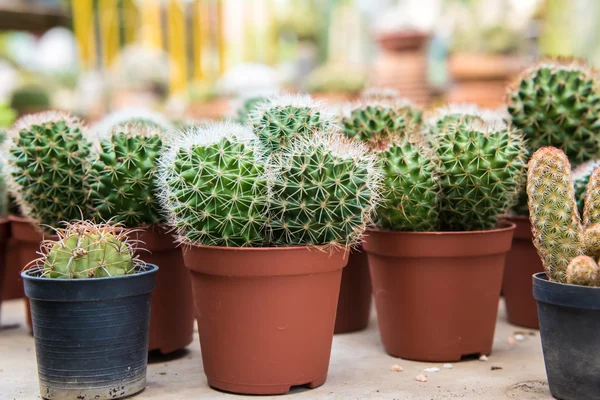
(360, 369)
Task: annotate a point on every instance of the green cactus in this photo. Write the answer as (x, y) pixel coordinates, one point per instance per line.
(213, 186)
(30, 98)
(581, 177)
(335, 78)
(380, 94)
(584, 271)
(247, 108)
(555, 221)
(122, 178)
(47, 156)
(481, 171)
(139, 116)
(558, 104)
(411, 188)
(87, 250)
(281, 119)
(324, 191)
(377, 123)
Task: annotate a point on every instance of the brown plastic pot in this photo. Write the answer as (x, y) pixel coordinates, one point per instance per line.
(437, 293)
(172, 311)
(265, 315)
(354, 303)
(522, 262)
(4, 239)
(12, 287)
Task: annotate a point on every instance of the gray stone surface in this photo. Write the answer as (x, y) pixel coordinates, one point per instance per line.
(360, 369)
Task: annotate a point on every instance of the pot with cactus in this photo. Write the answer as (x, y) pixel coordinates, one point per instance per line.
(90, 302)
(122, 189)
(267, 217)
(568, 292)
(554, 103)
(372, 120)
(437, 254)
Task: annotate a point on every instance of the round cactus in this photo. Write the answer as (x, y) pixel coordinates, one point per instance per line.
(281, 119)
(325, 188)
(139, 116)
(47, 157)
(380, 93)
(411, 188)
(583, 270)
(558, 104)
(376, 123)
(481, 172)
(87, 250)
(247, 107)
(214, 188)
(122, 178)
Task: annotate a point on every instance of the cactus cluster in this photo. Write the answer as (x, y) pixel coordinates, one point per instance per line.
(568, 245)
(47, 166)
(87, 250)
(122, 182)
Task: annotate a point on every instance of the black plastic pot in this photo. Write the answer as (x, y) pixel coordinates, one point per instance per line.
(569, 326)
(91, 335)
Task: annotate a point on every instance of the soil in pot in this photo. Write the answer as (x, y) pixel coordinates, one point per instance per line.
(354, 303)
(91, 335)
(569, 324)
(522, 261)
(265, 315)
(437, 293)
(172, 315)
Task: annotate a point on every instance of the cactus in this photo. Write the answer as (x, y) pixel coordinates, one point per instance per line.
(376, 123)
(481, 171)
(558, 104)
(556, 225)
(411, 188)
(47, 173)
(583, 270)
(30, 98)
(281, 119)
(335, 78)
(87, 250)
(323, 192)
(122, 177)
(247, 107)
(581, 177)
(380, 93)
(135, 115)
(213, 186)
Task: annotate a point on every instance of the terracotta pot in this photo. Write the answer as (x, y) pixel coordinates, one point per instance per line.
(4, 239)
(172, 311)
(437, 293)
(522, 261)
(265, 315)
(402, 40)
(354, 303)
(12, 287)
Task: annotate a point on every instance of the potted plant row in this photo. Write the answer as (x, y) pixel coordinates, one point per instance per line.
(58, 170)
(268, 217)
(554, 103)
(567, 293)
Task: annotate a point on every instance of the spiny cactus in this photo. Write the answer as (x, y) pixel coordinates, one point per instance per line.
(591, 207)
(47, 157)
(87, 250)
(281, 119)
(584, 271)
(123, 175)
(324, 190)
(465, 112)
(411, 188)
(213, 186)
(558, 104)
(380, 93)
(376, 123)
(481, 170)
(248, 106)
(581, 177)
(335, 78)
(139, 116)
(555, 222)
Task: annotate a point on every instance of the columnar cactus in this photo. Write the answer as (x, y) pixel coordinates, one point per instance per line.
(281, 119)
(87, 250)
(481, 170)
(558, 104)
(556, 225)
(323, 192)
(213, 186)
(47, 157)
(581, 177)
(123, 175)
(412, 192)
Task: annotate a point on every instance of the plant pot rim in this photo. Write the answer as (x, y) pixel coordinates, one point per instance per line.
(149, 269)
(517, 217)
(320, 248)
(16, 218)
(504, 227)
(565, 294)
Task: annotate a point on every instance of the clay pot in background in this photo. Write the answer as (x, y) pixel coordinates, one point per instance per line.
(437, 293)
(265, 315)
(522, 261)
(172, 312)
(354, 303)
(4, 273)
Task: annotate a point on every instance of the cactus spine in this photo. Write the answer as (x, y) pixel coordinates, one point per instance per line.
(47, 157)
(122, 178)
(87, 250)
